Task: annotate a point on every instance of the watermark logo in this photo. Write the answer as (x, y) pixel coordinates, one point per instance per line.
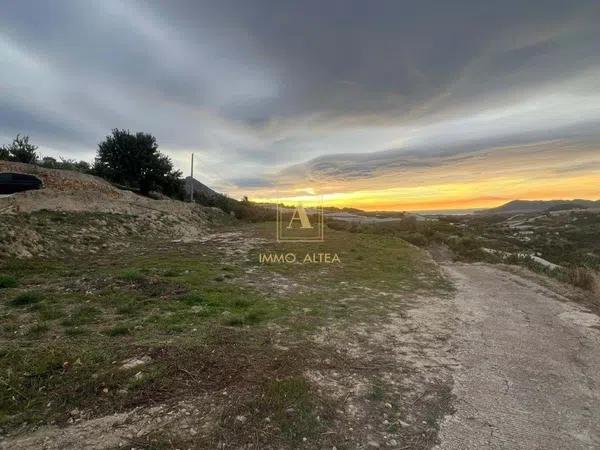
(300, 224)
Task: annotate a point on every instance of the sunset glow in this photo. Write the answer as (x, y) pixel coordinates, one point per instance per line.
(452, 196)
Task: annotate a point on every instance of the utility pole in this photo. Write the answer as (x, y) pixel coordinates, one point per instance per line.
(192, 181)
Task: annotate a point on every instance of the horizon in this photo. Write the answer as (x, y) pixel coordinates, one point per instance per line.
(426, 211)
(421, 109)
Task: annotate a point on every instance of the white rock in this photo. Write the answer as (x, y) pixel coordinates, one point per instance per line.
(135, 362)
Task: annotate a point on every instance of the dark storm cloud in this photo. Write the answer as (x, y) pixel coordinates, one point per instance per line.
(356, 57)
(255, 86)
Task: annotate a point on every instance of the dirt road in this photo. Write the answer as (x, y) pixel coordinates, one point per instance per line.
(529, 373)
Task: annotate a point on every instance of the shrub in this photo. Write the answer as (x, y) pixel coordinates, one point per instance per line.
(7, 281)
(20, 150)
(65, 164)
(416, 239)
(26, 298)
(132, 276)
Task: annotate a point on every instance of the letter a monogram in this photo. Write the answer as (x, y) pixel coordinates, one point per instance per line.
(300, 214)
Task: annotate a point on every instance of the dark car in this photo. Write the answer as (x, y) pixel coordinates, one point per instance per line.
(18, 182)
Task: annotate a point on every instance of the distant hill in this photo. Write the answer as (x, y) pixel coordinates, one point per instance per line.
(200, 190)
(540, 206)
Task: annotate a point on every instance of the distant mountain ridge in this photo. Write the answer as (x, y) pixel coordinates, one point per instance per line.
(540, 206)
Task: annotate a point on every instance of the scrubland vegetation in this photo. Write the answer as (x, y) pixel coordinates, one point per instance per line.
(568, 240)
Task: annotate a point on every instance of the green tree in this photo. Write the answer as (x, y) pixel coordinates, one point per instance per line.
(48, 161)
(20, 150)
(134, 160)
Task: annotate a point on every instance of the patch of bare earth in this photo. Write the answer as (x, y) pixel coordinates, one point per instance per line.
(193, 419)
(397, 383)
(240, 247)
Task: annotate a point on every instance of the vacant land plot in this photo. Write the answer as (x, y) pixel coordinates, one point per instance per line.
(162, 344)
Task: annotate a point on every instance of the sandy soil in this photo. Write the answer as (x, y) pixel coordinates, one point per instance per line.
(529, 373)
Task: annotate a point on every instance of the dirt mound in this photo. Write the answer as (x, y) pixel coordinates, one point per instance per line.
(78, 212)
(61, 180)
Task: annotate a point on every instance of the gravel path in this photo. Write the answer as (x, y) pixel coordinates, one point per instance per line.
(529, 374)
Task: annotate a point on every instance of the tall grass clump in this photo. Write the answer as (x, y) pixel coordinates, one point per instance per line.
(584, 278)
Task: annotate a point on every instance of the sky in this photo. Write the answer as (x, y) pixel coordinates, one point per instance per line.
(380, 105)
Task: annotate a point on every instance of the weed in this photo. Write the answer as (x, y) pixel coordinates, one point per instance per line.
(81, 315)
(7, 281)
(171, 273)
(250, 318)
(241, 303)
(26, 298)
(131, 276)
(128, 308)
(234, 321)
(38, 329)
(377, 392)
(76, 331)
(119, 330)
(50, 312)
(193, 298)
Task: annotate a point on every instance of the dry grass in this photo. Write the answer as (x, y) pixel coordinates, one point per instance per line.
(584, 278)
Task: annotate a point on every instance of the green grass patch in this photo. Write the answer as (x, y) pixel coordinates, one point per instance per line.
(132, 276)
(170, 273)
(83, 314)
(119, 330)
(129, 308)
(292, 406)
(38, 329)
(377, 392)
(193, 298)
(44, 382)
(50, 312)
(7, 281)
(249, 318)
(26, 299)
(76, 331)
